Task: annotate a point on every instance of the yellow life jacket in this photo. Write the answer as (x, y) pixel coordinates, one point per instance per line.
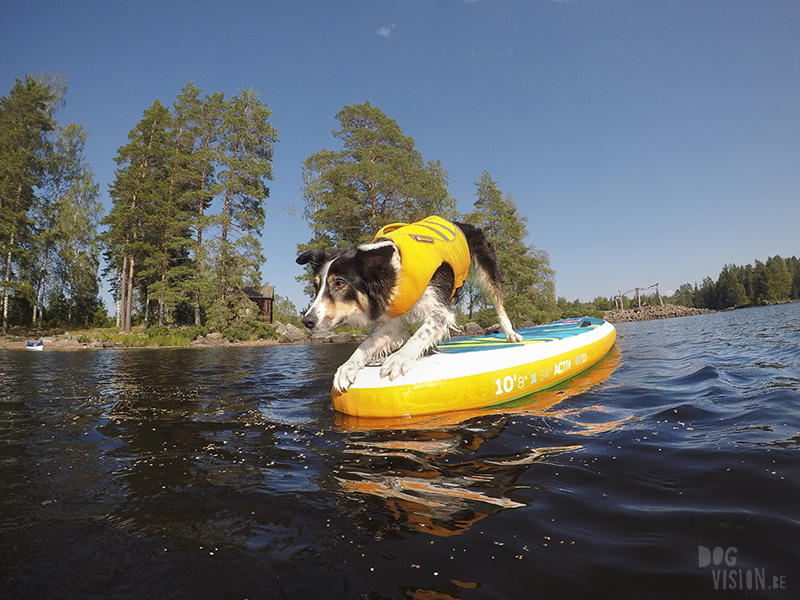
(423, 247)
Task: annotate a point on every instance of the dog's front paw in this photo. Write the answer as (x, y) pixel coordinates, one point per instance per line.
(345, 376)
(514, 337)
(396, 365)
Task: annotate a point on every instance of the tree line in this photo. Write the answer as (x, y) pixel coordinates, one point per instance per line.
(774, 281)
(188, 209)
(181, 239)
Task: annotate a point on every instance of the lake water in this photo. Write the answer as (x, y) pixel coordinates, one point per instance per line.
(671, 471)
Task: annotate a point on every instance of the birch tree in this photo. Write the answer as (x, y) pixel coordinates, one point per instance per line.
(66, 214)
(25, 120)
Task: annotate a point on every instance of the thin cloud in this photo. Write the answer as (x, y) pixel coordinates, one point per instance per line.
(385, 31)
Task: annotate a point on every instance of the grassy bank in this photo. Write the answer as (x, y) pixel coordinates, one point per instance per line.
(157, 335)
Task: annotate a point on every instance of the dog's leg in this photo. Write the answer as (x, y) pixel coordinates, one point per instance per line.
(496, 292)
(505, 323)
(437, 321)
(487, 271)
(383, 339)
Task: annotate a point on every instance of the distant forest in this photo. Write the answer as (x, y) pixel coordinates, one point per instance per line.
(772, 282)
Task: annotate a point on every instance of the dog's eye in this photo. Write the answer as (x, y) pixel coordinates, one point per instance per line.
(339, 284)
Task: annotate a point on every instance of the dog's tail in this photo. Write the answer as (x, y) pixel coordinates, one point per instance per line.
(486, 270)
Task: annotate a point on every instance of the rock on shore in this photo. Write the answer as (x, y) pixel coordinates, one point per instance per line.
(647, 313)
(289, 334)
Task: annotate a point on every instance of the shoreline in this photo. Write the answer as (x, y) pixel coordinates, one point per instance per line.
(652, 313)
(295, 337)
(66, 346)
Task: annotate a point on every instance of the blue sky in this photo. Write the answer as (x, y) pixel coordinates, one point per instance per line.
(646, 141)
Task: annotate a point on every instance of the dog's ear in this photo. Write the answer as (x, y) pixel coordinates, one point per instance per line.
(314, 257)
(375, 260)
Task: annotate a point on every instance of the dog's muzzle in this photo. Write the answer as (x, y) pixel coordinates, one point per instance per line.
(310, 321)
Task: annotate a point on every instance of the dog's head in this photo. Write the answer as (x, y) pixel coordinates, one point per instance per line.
(350, 286)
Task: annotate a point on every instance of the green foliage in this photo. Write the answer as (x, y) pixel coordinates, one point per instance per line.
(19, 309)
(235, 333)
(484, 317)
(25, 120)
(155, 331)
(156, 335)
(66, 246)
(353, 329)
(602, 304)
(684, 295)
(285, 311)
(567, 310)
(245, 162)
(377, 178)
(86, 311)
(237, 318)
(529, 282)
(192, 332)
(166, 246)
(259, 331)
(49, 208)
(776, 280)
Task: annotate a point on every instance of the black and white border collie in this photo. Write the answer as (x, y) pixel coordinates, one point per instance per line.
(357, 285)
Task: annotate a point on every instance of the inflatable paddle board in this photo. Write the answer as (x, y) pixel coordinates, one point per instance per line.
(481, 371)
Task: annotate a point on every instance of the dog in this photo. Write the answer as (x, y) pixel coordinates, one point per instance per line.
(407, 271)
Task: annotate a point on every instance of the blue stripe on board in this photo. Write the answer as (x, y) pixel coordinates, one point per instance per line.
(558, 330)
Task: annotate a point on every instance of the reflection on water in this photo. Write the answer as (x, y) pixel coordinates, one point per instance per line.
(429, 474)
(419, 485)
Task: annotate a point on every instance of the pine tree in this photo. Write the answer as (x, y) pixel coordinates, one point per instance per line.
(198, 123)
(794, 268)
(377, 178)
(245, 150)
(684, 295)
(747, 279)
(141, 179)
(162, 237)
(528, 279)
(763, 284)
(781, 288)
(167, 236)
(730, 291)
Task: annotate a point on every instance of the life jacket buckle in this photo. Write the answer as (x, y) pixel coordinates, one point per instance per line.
(425, 239)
